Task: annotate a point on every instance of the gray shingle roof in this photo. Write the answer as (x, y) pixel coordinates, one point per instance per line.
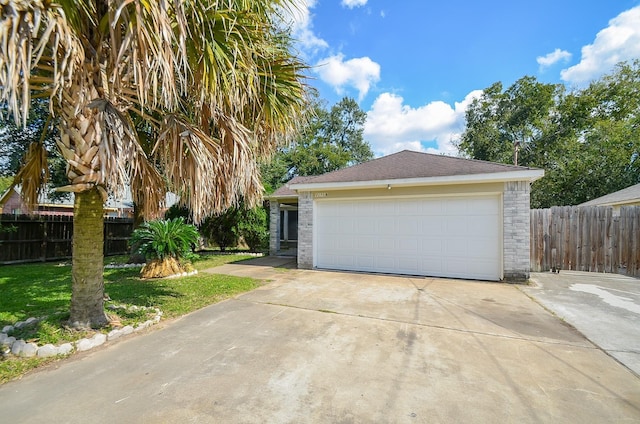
(629, 194)
(408, 164)
(285, 191)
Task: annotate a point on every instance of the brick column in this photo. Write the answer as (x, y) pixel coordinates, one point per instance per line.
(274, 227)
(516, 231)
(305, 230)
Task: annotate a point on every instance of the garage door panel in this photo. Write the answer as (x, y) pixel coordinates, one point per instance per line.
(455, 226)
(431, 246)
(385, 208)
(455, 237)
(366, 225)
(428, 208)
(365, 262)
(385, 263)
(386, 226)
(408, 265)
(432, 227)
(409, 245)
(347, 261)
(408, 226)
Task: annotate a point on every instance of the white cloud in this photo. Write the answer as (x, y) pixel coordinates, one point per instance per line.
(552, 58)
(359, 73)
(392, 126)
(353, 3)
(302, 26)
(618, 42)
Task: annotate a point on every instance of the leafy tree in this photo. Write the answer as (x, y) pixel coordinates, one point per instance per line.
(331, 140)
(587, 140)
(15, 140)
(5, 183)
(216, 79)
(504, 126)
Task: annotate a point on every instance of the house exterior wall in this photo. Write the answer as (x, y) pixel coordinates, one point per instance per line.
(435, 190)
(274, 227)
(515, 225)
(305, 230)
(14, 205)
(516, 231)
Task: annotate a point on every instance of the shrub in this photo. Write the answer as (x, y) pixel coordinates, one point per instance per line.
(165, 238)
(253, 228)
(223, 228)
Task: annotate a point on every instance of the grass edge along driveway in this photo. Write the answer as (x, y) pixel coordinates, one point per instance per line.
(44, 290)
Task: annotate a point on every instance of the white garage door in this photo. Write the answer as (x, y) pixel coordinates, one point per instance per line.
(456, 237)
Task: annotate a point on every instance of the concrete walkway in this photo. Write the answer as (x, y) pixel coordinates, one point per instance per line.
(605, 308)
(316, 347)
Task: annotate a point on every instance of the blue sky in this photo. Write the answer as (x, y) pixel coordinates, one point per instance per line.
(414, 65)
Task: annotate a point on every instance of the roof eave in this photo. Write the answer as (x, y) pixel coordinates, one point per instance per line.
(281, 197)
(630, 202)
(529, 175)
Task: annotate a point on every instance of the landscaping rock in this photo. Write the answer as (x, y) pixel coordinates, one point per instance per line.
(19, 324)
(127, 330)
(30, 321)
(114, 334)
(141, 327)
(24, 349)
(17, 346)
(8, 341)
(99, 339)
(30, 350)
(7, 329)
(84, 344)
(65, 349)
(47, 350)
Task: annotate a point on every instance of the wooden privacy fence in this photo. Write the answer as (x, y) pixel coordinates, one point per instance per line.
(586, 239)
(25, 238)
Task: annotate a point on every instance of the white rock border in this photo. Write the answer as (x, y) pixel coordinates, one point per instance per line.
(20, 348)
(117, 266)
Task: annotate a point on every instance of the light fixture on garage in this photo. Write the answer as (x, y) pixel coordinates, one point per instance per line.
(388, 186)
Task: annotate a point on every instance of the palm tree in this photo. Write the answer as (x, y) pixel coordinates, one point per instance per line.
(215, 78)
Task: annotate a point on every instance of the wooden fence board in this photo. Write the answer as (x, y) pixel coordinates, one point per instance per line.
(586, 239)
(26, 238)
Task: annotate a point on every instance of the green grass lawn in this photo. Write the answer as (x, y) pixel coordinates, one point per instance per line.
(37, 290)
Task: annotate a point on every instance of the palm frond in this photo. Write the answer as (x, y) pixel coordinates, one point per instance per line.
(34, 174)
(209, 173)
(35, 38)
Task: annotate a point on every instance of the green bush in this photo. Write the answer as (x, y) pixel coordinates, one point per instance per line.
(222, 229)
(165, 238)
(253, 228)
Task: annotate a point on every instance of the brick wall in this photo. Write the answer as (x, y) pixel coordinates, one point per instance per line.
(305, 230)
(516, 231)
(274, 227)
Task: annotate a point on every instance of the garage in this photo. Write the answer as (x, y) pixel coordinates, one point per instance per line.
(434, 236)
(413, 213)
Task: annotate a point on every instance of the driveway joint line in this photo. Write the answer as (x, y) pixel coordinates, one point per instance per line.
(417, 324)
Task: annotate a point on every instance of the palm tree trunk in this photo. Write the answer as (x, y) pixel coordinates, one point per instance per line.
(87, 293)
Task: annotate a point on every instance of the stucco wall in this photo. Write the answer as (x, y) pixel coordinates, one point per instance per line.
(305, 230)
(516, 231)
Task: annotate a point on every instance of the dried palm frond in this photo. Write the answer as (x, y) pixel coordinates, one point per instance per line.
(34, 174)
(209, 174)
(35, 37)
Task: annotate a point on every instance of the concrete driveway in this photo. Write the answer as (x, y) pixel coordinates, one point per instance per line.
(312, 346)
(603, 307)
